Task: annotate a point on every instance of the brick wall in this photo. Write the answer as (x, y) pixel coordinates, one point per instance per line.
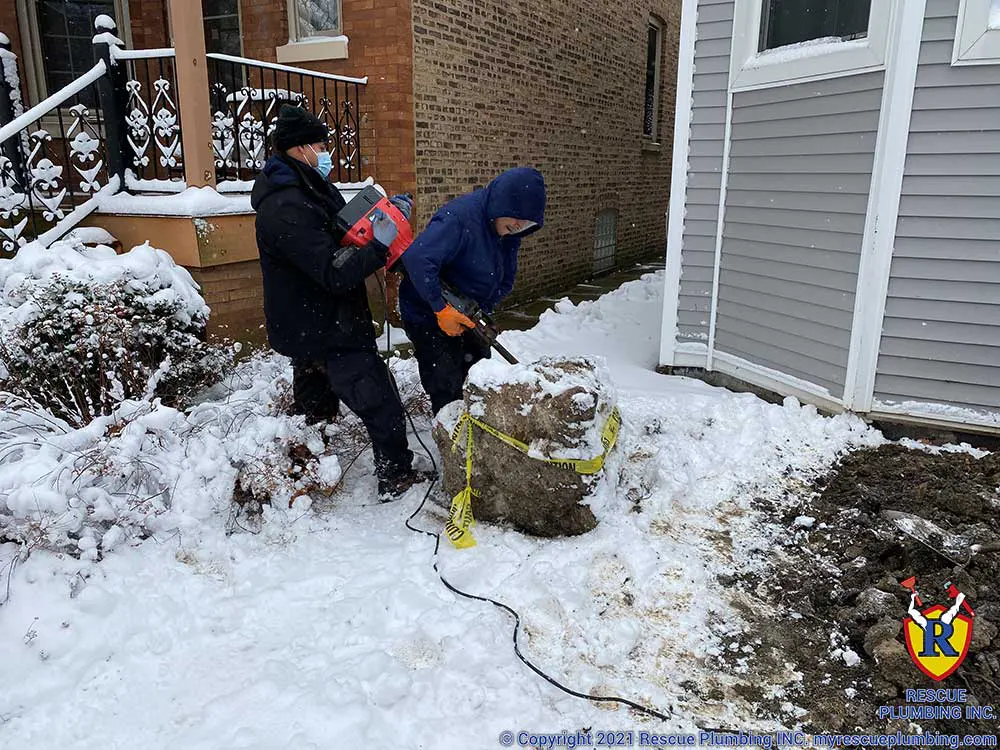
(235, 294)
(148, 23)
(380, 47)
(9, 26)
(265, 26)
(558, 86)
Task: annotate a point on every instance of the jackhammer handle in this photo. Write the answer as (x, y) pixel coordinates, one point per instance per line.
(489, 338)
(503, 352)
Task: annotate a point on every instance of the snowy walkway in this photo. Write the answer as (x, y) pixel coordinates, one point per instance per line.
(330, 629)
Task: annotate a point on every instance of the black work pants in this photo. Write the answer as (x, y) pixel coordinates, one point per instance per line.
(359, 379)
(444, 361)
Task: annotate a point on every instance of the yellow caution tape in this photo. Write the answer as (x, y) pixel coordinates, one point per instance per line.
(460, 519)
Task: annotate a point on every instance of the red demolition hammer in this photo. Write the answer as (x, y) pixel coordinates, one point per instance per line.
(355, 221)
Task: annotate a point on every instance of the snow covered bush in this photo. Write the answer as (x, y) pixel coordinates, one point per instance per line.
(82, 329)
(147, 469)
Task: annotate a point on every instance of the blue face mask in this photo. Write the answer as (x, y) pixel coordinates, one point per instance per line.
(324, 162)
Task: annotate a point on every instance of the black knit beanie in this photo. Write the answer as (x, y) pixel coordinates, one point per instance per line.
(296, 127)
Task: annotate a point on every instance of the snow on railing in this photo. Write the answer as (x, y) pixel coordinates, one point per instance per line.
(142, 54)
(10, 83)
(54, 161)
(285, 68)
(50, 103)
(118, 127)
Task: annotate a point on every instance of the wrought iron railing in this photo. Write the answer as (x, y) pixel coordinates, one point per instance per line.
(246, 96)
(152, 118)
(58, 157)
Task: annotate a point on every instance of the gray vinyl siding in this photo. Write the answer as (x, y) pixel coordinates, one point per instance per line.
(941, 332)
(799, 177)
(708, 128)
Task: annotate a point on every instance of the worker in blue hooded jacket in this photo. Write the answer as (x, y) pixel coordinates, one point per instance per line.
(471, 243)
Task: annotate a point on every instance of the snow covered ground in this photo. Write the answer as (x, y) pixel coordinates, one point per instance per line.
(330, 628)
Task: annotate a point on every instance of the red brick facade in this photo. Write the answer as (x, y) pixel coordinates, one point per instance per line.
(235, 294)
(9, 26)
(460, 90)
(148, 24)
(380, 47)
(558, 86)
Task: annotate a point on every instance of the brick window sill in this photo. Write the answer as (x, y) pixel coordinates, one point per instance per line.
(318, 48)
(651, 147)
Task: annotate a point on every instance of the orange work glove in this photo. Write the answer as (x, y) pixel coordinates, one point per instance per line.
(452, 322)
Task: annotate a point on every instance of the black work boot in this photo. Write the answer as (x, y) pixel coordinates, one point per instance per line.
(392, 488)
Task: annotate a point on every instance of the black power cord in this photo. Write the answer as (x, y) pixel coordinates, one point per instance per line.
(474, 597)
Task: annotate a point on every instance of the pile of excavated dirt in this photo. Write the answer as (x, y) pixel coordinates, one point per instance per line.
(831, 606)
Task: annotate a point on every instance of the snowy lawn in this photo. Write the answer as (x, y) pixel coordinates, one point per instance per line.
(330, 628)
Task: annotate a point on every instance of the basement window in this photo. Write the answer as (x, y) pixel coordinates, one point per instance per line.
(605, 241)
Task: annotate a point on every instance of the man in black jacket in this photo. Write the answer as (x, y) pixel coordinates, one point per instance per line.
(315, 302)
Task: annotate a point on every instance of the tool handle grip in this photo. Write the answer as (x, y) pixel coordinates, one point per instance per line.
(485, 329)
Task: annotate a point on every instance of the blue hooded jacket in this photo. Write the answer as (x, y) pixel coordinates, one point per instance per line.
(461, 246)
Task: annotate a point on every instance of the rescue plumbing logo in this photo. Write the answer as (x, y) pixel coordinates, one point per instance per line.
(937, 636)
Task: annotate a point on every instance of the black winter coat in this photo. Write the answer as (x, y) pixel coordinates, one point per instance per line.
(314, 290)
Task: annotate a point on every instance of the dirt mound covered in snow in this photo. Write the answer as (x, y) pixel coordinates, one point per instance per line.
(830, 610)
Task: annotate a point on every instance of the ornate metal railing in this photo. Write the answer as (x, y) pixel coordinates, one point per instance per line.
(152, 118)
(56, 157)
(118, 127)
(246, 96)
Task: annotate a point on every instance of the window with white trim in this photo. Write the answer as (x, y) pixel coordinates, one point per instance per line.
(778, 42)
(977, 38)
(786, 22)
(314, 32)
(309, 18)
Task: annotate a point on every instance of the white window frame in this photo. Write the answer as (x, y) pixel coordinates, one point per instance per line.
(328, 44)
(750, 69)
(34, 63)
(975, 42)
